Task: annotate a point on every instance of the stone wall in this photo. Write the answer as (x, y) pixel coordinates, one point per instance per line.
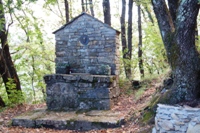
(80, 92)
(170, 119)
(102, 46)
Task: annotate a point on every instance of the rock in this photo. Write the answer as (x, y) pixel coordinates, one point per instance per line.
(175, 119)
(174, 116)
(193, 129)
(167, 125)
(154, 130)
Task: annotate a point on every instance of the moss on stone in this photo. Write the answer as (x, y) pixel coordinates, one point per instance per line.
(154, 101)
(148, 116)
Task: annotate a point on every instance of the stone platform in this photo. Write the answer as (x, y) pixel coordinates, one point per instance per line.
(96, 119)
(72, 92)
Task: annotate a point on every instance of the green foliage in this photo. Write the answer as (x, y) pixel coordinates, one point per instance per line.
(155, 59)
(129, 63)
(34, 62)
(52, 2)
(32, 50)
(125, 86)
(148, 115)
(140, 92)
(15, 96)
(154, 55)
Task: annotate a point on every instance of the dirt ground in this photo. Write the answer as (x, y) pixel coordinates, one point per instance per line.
(126, 102)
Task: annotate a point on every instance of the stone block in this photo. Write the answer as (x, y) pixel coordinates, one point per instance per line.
(193, 129)
(61, 68)
(99, 70)
(69, 102)
(182, 119)
(93, 54)
(54, 103)
(23, 122)
(154, 130)
(174, 116)
(178, 122)
(80, 91)
(98, 93)
(166, 125)
(93, 61)
(83, 85)
(69, 78)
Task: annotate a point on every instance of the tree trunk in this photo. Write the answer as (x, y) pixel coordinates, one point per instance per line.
(141, 68)
(7, 69)
(123, 27)
(129, 34)
(149, 14)
(2, 103)
(123, 37)
(173, 7)
(70, 9)
(179, 41)
(196, 34)
(106, 12)
(67, 11)
(91, 8)
(83, 6)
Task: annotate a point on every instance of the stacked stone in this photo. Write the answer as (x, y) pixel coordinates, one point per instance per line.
(102, 48)
(80, 92)
(170, 119)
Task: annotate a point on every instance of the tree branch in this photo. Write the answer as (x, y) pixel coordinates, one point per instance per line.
(186, 21)
(165, 22)
(173, 7)
(59, 10)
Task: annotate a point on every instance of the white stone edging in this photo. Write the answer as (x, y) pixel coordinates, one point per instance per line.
(171, 119)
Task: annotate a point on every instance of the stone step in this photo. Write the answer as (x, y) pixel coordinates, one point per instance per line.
(83, 121)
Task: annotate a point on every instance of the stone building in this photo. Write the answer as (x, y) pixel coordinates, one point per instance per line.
(87, 66)
(85, 44)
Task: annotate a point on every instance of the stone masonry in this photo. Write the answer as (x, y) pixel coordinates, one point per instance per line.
(86, 45)
(80, 92)
(170, 119)
(87, 66)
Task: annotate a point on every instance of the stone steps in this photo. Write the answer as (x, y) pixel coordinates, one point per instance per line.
(72, 120)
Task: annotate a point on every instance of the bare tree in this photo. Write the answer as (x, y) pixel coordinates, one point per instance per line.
(141, 68)
(67, 11)
(82, 4)
(91, 7)
(129, 34)
(106, 12)
(123, 36)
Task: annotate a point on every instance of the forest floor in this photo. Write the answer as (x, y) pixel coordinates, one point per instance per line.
(131, 100)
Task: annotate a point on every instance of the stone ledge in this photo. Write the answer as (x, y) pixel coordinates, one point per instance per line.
(175, 119)
(70, 120)
(80, 77)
